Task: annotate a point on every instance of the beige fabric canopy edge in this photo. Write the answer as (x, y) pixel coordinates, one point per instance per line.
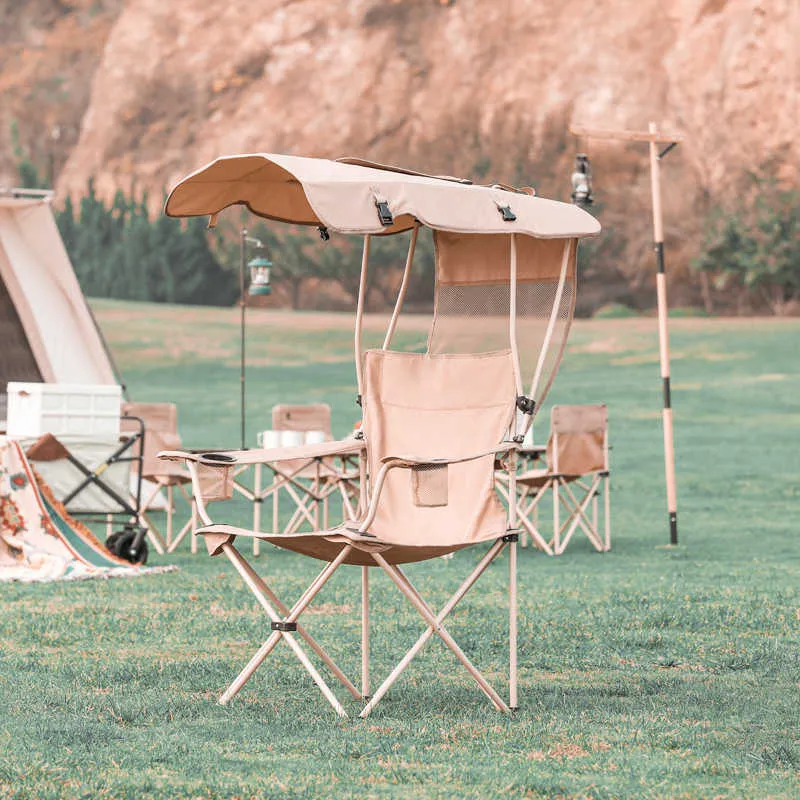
(344, 197)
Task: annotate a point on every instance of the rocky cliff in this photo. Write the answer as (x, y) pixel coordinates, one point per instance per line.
(481, 88)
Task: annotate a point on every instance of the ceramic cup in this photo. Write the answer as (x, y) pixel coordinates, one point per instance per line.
(292, 438)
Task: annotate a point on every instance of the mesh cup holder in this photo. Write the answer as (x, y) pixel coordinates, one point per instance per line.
(216, 478)
(429, 484)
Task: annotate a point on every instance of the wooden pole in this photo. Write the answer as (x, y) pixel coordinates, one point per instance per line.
(663, 337)
(654, 137)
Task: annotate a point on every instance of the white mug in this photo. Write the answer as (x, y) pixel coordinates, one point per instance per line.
(269, 439)
(315, 437)
(292, 438)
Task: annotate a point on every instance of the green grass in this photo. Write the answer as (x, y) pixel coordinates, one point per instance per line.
(648, 672)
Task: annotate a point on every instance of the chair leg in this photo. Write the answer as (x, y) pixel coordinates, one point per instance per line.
(258, 587)
(435, 626)
(512, 625)
(578, 515)
(170, 512)
(607, 509)
(257, 500)
(557, 548)
(365, 632)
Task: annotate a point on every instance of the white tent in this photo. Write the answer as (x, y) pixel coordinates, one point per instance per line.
(47, 332)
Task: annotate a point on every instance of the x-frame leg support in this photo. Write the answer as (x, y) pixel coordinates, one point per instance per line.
(578, 514)
(525, 513)
(281, 615)
(435, 626)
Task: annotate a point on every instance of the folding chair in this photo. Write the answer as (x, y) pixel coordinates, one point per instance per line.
(160, 433)
(310, 484)
(577, 472)
(434, 423)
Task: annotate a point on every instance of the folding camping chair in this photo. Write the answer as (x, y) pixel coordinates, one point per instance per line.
(577, 472)
(435, 422)
(160, 433)
(310, 484)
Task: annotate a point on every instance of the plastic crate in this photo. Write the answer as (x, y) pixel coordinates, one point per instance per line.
(64, 409)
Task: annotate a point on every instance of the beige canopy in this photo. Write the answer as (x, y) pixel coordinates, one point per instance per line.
(344, 196)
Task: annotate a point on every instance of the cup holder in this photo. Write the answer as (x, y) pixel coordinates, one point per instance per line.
(218, 459)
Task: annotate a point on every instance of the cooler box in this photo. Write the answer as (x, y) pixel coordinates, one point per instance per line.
(64, 410)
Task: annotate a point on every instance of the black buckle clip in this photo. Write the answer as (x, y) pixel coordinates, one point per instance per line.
(525, 404)
(384, 213)
(359, 401)
(323, 233)
(285, 627)
(508, 214)
(511, 537)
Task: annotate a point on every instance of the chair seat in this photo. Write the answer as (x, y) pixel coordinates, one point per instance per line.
(326, 545)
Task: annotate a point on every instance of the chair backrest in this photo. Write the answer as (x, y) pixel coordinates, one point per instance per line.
(161, 433)
(309, 417)
(437, 406)
(578, 441)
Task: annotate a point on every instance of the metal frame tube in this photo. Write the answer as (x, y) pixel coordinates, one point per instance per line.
(362, 288)
(401, 294)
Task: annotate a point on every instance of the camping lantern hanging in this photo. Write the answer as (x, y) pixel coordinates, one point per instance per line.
(582, 181)
(259, 276)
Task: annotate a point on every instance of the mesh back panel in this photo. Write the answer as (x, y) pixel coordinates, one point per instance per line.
(475, 319)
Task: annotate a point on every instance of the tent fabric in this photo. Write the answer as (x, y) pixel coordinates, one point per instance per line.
(37, 275)
(39, 540)
(344, 196)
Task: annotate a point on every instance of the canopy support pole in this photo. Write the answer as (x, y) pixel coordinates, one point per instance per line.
(512, 329)
(362, 290)
(401, 294)
(242, 306)
(551, 325)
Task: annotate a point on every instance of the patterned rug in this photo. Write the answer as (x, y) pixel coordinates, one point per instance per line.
(39, 540)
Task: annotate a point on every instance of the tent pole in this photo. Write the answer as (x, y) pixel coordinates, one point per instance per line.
(663, 338)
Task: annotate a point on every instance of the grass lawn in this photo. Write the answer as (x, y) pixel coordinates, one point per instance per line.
(648, 672)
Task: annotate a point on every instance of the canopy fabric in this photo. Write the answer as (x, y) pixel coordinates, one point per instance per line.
(344, 197)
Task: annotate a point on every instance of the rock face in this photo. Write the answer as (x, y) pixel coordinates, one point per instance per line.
(479, 88)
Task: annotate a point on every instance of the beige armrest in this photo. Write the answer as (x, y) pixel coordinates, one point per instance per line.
(415, 461)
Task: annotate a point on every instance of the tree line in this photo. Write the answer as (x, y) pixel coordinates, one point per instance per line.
(749, 256)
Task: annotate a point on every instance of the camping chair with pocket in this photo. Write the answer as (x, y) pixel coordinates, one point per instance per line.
(434, 423)
(577, 472)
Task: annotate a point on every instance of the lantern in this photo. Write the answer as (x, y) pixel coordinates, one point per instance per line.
(259, 276)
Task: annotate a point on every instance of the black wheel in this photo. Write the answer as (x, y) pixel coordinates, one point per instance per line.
(123, 544)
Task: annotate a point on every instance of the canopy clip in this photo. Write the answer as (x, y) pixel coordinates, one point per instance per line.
(526, 404)
(508, 214)
(384, 212)
(511, 536)
(323, 233)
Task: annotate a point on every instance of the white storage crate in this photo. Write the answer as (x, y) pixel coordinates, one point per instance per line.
(64, 410)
